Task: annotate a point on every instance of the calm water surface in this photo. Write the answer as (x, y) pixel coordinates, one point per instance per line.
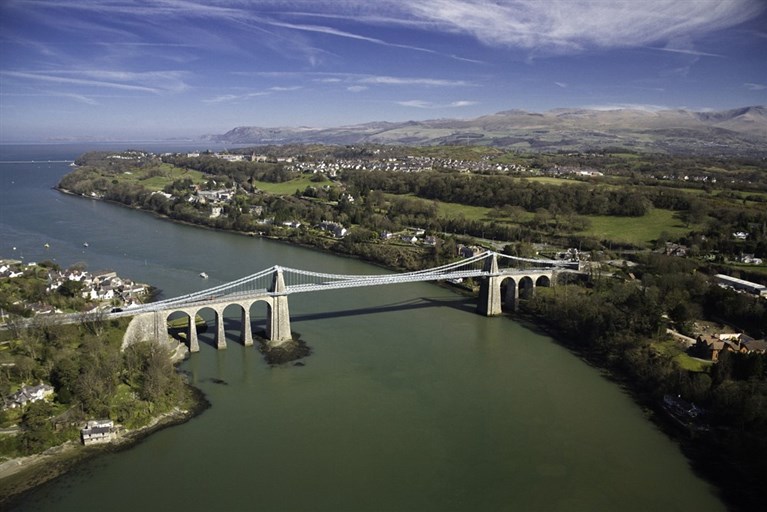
(410, 401)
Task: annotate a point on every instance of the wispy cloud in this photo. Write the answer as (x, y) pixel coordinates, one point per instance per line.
(150, 82)
(687, 52)
(233, 98)
(751, 86)
(571, 26)
(432, 82)
(627, 106)
(563, 85)
(282, 88)
(431, 105)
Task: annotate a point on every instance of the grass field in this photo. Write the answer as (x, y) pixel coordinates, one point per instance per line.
(548, 180)
(169, 174)
(671, 348)
(455, 210)
(287, 188)
(635, 230)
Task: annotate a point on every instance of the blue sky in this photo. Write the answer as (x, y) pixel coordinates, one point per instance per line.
(176, 68)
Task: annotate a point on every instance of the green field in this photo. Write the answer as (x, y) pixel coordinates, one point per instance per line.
(635, 230)
(287, 188)
(165, 174)
(671, 348)
(455, 210)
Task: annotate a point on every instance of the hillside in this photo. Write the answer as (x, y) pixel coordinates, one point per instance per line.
(741, 131)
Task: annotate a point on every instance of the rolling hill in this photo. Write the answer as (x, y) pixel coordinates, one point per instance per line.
(741, 131)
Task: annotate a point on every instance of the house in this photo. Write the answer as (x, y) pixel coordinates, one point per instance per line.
(409, 239)
(710, 346)
(97, 431)
(29, 394)
(469, 251)
(749, 259)
(215, 211)
(334, 228)
(673, 249)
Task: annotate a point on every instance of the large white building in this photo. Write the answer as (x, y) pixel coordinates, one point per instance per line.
(742, 284)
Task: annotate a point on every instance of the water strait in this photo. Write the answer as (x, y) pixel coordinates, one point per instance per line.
(409, 401)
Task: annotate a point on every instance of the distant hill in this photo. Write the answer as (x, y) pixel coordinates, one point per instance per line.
(741, 131)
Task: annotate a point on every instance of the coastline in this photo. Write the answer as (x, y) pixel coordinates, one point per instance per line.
(22, 475)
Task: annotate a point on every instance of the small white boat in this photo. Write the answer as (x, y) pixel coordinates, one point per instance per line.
(47, 245)
(85, 244)
(203, 275)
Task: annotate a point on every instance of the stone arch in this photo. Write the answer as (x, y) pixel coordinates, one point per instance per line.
(236, 316)
(526, 287)
(259, 312)
(543, 280)
(216, 312)
(509, 294)
(181, 325)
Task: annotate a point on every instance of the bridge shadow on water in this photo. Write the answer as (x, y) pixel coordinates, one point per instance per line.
(466, 305)
(232, 325)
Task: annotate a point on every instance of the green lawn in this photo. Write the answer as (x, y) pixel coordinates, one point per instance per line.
(548, 180)
(635, 230)
(671, 348)
(454, 210)
(169, 174)
(287, 188)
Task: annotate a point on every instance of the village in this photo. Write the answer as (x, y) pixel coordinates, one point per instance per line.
(98, 291)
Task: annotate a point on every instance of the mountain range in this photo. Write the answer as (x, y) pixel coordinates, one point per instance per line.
(741, 131)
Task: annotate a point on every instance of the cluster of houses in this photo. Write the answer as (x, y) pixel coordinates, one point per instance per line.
(94, 432)
(99, 287)
(710, 346)
(686, 177)
(562, 170)
(410, 236)
(27, 395)
(404, 164)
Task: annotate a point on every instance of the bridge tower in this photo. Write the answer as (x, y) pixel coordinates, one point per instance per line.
(278, 317)
(489, 300)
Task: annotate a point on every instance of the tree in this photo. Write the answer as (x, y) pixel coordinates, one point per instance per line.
(36, 427)
(70, 288)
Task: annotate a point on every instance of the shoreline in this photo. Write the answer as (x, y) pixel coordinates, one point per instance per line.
(22, 475)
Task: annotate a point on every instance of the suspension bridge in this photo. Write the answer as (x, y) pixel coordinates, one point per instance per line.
(502, 279)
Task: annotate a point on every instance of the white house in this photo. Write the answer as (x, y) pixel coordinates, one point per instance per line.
(29, 394)
(97, 431)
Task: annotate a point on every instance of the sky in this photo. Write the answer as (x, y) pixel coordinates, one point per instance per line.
(159, 69)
